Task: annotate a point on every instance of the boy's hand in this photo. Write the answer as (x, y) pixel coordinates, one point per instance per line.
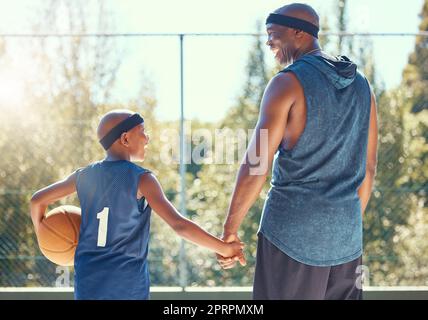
(232, 249)
(229, 261)
(54, 192)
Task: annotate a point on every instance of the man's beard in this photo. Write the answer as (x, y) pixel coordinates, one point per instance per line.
(287, 56)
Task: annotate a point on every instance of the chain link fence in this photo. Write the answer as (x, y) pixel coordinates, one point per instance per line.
(49, 137)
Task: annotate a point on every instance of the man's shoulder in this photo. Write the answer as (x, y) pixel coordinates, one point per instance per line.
(285, 79)
(139, 169)
(287, 83)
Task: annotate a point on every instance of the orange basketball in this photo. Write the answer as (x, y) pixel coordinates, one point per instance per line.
(59, 233)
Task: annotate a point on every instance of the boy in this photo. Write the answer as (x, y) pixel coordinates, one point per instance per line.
(116, 198)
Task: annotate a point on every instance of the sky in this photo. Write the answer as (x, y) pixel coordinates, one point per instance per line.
(214, 67)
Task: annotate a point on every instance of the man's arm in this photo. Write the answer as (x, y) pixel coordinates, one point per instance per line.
(366, 187)
(277, 101)
(44, 197)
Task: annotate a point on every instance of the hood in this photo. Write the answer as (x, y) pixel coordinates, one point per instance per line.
(340, 71)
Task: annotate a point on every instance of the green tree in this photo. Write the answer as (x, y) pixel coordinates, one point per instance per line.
(58, 133)
(389, 206)
(415, 75)
(324, 40)
(411, 239)
(344, 44)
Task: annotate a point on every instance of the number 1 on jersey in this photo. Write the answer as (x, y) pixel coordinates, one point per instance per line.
(102, 228)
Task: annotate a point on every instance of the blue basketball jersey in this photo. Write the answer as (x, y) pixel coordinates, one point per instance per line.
(111, 256)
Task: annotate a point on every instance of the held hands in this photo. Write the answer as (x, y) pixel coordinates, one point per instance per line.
(235, 254)
(232, 249)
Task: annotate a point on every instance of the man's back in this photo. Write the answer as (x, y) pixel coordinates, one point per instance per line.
(313, 212)
(111, 257)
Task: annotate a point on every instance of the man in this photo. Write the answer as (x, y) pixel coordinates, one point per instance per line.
(320, 117)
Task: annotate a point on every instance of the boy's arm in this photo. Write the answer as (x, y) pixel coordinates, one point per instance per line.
(152, 191)
(366, 187)
(54, 192)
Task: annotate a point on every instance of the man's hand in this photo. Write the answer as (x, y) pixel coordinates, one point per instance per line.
(230, 262)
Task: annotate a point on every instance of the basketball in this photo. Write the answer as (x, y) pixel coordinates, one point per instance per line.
(59, 233)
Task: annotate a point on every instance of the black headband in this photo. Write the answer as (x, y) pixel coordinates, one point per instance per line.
(294, 23)
(120, 128)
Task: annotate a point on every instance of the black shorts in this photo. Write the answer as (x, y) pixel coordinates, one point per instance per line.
(279, 277)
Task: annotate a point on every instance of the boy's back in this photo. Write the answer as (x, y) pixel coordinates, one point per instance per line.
(111, 257)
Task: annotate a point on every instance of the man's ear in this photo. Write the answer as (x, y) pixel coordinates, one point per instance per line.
(124, 139)
(298, 33)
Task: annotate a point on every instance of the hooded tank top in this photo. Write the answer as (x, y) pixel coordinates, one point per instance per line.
(313, 212)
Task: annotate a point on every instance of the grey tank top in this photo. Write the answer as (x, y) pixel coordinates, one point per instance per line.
(313, 212)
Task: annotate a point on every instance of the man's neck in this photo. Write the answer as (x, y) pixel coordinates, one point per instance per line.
(313, 49)
(115, 156)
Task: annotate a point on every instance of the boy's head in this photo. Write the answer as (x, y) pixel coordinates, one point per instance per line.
(121, 132)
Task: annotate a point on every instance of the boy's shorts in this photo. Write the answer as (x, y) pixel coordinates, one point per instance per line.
(279, 277)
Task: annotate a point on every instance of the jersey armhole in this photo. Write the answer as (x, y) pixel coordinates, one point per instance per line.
(139, 175)
(78, 171)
